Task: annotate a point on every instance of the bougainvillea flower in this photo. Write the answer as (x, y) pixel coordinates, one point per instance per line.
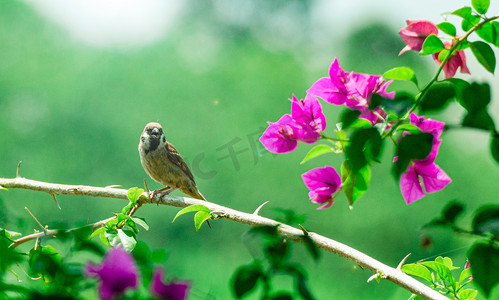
(352, 89)
(427, 125)
(176, 290)
(431, 175)
(322, 183)
(305, 124)
(117, 273)
(415, 34)
(424, 171)
(456, 61)
(308, 113)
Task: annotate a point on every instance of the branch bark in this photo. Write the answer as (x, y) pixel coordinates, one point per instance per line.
(386, 272)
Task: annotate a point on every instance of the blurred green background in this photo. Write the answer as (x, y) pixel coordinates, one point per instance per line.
(78, 82)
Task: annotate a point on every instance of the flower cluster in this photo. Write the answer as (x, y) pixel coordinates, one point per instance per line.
(354, 90)
(414, 36)
(431, 175)
(118, 272)
(307, 122)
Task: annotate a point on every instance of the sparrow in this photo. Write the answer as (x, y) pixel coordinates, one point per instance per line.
(163, 163)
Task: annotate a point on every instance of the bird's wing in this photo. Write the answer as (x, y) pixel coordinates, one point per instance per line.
(176, 159)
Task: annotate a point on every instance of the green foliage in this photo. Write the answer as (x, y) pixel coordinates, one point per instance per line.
(486, 221)
(276, 253)
(365, 146)
(401, 73)
(484, 54)
(413, 146)
(494, 145)
(203, 214)
(489, 32)
(355, 183)
(484, 262)
(348, 117)
(448, 28)
(317, 151)
(439, 274)
(481, 6)
(411, 128)
(438, 95)
(432, 44)
(475, 99)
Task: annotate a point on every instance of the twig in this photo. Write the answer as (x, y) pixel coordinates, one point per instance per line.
(55, 232)
(33, 216)
(288, 232)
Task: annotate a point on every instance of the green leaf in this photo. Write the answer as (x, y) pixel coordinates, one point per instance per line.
(2, 188)
(442, 270)
(245, 279)
(348, 117)
(8, 255)
(438, 95)
(484, 261)
(413, 146)
(418, 270)
(200, 217)
(127, 208)
(447, 261)
(432, 44)
(131, 224)
(411, 128)
(486, 220)
(478, 119)
(452, 211)
(467, 294)
(133, 194)
(401, 73)
(45, 261)
(103, 238)
(475, 97)
(443, 54)
(465, 275)
(303, 290)
(459, 85)
(122, 238)
(469, 22)
(97, 232)
(489, 32)
(464, 12)
(484, 54)
(317, 151)
(481, 6)
(448, 28)
(494, 145)
(365, 146)
(142, 222)
(195, 207)
(355, 184)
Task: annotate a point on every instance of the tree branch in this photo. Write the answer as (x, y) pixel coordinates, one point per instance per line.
(392, 274)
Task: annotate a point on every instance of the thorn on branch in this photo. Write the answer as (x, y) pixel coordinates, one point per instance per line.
(305, 232)
(55, 200)
(147, 190)
(259, 208)
(18, 172)
(112, 186)
(402, 262)
(43, 228)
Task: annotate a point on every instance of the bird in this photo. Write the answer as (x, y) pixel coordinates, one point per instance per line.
(163, 163)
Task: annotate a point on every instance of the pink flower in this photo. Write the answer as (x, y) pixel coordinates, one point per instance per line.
(176, 290)
(305, 124)
(117, 272)
(322, 183)
(456, 61)
(308, 113)
(352, 89)
(415, 34)
(424, 171)
(433, 178)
